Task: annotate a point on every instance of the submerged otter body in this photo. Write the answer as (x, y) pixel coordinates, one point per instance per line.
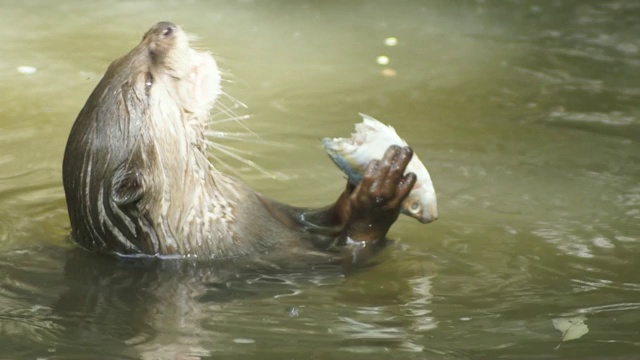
(138, 179)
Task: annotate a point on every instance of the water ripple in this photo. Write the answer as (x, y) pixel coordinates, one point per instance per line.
(37, 324)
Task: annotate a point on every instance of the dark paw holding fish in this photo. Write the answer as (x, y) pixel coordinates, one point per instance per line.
(375, 203)
(369, 143)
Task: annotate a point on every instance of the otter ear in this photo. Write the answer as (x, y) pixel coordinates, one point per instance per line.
(127, 185)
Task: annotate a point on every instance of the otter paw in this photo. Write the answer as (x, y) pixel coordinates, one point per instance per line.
(375, 203)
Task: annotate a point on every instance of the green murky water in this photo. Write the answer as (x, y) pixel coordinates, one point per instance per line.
(526, 113)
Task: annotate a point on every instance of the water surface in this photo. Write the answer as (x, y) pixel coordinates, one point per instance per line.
(526, 113)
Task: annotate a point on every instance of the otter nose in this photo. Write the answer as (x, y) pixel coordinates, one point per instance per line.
(165, 29)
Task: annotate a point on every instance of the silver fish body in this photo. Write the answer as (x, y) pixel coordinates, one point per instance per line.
(370, 141)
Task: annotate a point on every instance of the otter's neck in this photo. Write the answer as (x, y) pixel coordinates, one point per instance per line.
(194, 208)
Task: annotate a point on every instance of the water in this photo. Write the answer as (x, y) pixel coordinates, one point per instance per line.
(526, 113)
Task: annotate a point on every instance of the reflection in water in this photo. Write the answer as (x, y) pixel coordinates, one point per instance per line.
(172, 309)
(525, 113)
(371, 327)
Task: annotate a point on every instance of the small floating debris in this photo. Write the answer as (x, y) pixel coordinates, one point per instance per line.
(391, 41)
(382, 60)
(293, 312)
(244, 341)
(24, 69)
(389, 72)
(571, 328)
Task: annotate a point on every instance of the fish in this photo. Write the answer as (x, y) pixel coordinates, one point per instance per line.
(369, 142)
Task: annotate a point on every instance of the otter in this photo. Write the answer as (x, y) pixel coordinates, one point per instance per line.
(138, 180)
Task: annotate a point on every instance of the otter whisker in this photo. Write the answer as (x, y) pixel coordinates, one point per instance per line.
(244, 137)
(206, 158)
(227, 135)
(224, 149)
(224, 164)
(235, 100)
(229, 119)
(226, 109)
(227, 77)
(192, 38)
(231, 113)
(229, 148)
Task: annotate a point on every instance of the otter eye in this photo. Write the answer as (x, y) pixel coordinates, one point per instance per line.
(415, 206)
(148, 83)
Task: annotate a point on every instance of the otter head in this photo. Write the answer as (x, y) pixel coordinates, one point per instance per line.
(139, 133)
(173, 73)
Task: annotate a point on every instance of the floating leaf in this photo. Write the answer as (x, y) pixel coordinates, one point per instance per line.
(571, 328)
